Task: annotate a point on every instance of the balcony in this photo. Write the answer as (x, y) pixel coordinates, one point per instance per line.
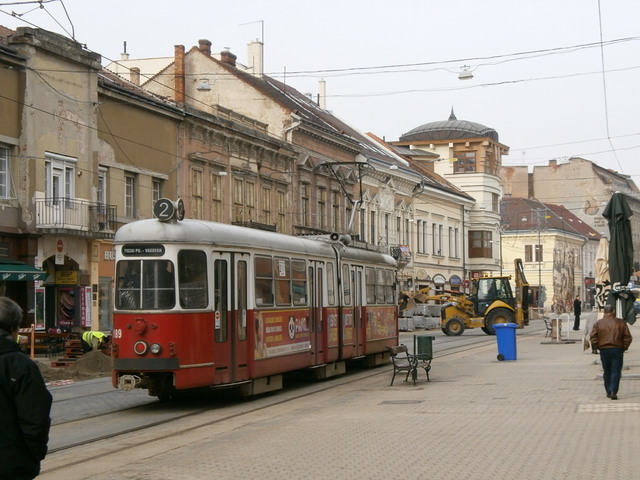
(75, 217)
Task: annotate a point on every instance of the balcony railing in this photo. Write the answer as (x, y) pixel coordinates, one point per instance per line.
(79, 215)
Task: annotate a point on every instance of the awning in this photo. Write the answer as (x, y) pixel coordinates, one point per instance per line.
(13, 270)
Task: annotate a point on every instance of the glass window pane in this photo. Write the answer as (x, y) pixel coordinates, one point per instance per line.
(192, 279)
(158, 287)
(128, 285)
(220, 299)
(263, 281)
(282, 276)
(299, 283)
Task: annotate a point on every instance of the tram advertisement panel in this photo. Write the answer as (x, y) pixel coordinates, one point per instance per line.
(347, 327)
(282, 333)
(381, 323)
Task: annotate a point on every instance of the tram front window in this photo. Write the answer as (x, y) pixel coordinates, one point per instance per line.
(158, 289)
(147, 285)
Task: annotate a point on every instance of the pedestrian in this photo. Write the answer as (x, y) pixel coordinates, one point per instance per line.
(612, 337)
(25, 403)
(577, 310)
(591, 320)
(93, 340)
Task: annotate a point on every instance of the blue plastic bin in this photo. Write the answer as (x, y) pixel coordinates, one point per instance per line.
(506, 338)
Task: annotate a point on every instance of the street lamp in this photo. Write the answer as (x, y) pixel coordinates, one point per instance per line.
(539, 258)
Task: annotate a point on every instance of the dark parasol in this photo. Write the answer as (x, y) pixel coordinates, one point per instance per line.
(617, 213)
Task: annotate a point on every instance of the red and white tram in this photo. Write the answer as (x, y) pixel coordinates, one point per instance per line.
(204, 304)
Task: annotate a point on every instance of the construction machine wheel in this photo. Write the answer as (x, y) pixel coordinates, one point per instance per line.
(454, 327)
(484, 329)
(499, 315)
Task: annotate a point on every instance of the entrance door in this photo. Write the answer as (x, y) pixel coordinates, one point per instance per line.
(56, 205)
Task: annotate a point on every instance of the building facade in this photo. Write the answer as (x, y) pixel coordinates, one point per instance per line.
(467, 155)
(558, 251)
(581, 186)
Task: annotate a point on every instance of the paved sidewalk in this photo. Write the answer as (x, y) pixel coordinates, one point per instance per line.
(543, 416)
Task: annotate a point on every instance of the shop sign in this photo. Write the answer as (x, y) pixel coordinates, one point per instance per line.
(66, 277)
(85, 307)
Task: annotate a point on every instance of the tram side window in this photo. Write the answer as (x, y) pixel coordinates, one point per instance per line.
(389, 287)
(128, 285)
(380, 286)
(192, 279)
(282, 276)
(346, 285)
(331, 285)
(158, 287)
(299, 282)
(264, 281)
(370, 280)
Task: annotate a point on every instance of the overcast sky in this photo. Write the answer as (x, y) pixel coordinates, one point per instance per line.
(555, 78)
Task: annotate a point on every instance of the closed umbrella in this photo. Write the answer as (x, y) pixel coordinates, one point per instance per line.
(603, 282)
(617, 213)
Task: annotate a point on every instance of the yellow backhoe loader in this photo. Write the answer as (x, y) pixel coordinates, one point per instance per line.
(491, 301)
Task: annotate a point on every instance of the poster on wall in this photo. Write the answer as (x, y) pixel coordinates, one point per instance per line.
(40, 311)
(66, 307)
(85, 307)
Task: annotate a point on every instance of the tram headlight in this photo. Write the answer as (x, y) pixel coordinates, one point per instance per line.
(155, 348)
(140, 347)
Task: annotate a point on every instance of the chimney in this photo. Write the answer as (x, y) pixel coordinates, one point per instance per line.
(134, 74)
(179, 73)
(322, 94)
(227, 57)
(256, 58)
(205, 47)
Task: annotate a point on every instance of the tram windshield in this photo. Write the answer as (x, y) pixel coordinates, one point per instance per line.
(150, 284)
(145, 285)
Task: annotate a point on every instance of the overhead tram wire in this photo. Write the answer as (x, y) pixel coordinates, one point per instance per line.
(550, 51)
(604, 88)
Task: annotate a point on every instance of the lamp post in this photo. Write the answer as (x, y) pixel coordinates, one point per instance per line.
(539, 255)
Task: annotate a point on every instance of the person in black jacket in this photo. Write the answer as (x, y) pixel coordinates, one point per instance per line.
(577, 310)
(25, 403)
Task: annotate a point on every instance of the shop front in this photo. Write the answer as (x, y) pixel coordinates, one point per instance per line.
(17, 281)
(66, 294)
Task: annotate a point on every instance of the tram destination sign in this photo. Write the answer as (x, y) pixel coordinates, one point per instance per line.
(142, 250)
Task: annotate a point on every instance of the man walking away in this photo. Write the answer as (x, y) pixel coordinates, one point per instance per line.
(577, 310)
(25, 403)
(612, 337)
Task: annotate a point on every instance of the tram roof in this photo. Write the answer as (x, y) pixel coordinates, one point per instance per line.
(228, 236)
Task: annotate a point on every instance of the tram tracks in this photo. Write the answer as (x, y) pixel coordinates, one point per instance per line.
(154, 425)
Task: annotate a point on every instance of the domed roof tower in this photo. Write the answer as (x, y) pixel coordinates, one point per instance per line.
(451, 129)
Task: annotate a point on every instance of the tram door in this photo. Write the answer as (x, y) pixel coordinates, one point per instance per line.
(359, 322)
(240, 348)
(316, 322)
(230, 316)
